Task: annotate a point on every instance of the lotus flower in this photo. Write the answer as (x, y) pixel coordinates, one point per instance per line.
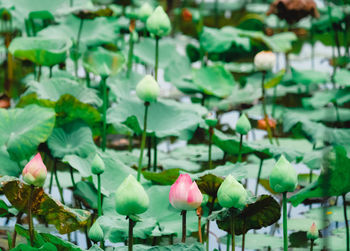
(148, 89)
(312, 234)
(262, 123)
(283, 177)
(35, 172)
(265, 61)
(184, 194)
(96, 232)
(98, 166)
(158, 23)
(131, 198)
(145, 11)
(231, 193)
(243, 125)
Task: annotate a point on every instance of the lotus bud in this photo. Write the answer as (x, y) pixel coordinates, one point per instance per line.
(231, 193)
(98, 166)
(145, 11)
(312, 234)
(148, 89)
(131, 198)
(35, 172)
(184, 194)
(265, 61)
(211, 121)
(158, 23)
(96, 232)
(283, 177)
(243, 125)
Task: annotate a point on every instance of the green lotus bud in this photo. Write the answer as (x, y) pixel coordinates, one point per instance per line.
(231, 193)
(243, 125)
(312, 234)
(283, 177)
(145, 11)
(131, 198)
(96, 232)
(158, 23)
(98, 166)
(148, 89)
(210, 120)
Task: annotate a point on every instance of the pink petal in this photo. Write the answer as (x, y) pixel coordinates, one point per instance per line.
(195, 196)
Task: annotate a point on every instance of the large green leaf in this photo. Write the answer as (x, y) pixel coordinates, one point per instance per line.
(22, 130)
(262, 213)
(165, 117)
(41, 51)
(331, 183)
(334, 213)
(8, 166)
(214, 80)
(64, 218)
(98, 31)
(322, 98)
(115, 228)
(342, 77)
(145, 51)
(103, 62)
(52, 89)
(307, 77)
(73, 138)
(177, 247)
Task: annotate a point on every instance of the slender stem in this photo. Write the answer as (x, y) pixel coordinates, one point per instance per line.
(154, 153)
(131, 239)
(87, 78)
(104, 112)
(99, 201)
(211, 133)
(207, 234)
(143, 140)
(312, 245)
(51, 180)
(243, 241)
(30, 216)
(337, 112)
(77, 46)
(264, 107)
(130, 54)
(183, 213)
(259, 174)
(228, 241)
(50, 71)
(72, 177)
(156, 59)
(14, 235)
(149, 152)
(199, 214)
(39, 74)
(240, 148)
(285, 233)
(58, 182)
(233, 234)
(310, 176)
(346, 223)
(216, 12)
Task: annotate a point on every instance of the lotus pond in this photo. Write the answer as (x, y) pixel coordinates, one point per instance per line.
(174, 125)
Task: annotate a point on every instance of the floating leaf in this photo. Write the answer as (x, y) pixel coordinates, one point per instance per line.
(22, 130)
(41, 51)
(307, 77)
(64, 218)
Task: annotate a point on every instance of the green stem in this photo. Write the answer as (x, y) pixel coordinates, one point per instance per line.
(216, 12)
(285, 228)
(51, 180)
(58, 182)
(39, 74)
(155, 153)
(183, 213)
(211, 133)
(228, 241)
(130, 54)
(337, 112)
(258, 178)
(30, 216)
(143, 140)
(346, 223)
(104, 111)
(312, 245)
(99, 199)
(50, 71)
(131, 239)
(240, 148)
(157, 59)
(77, 46)
(233, 234)
(264, 107)
(72, 177)
(14, 235)
(87, 78)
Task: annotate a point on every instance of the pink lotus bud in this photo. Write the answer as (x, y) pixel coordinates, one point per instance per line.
(312, 234)
(185, 195)
(34, 173)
